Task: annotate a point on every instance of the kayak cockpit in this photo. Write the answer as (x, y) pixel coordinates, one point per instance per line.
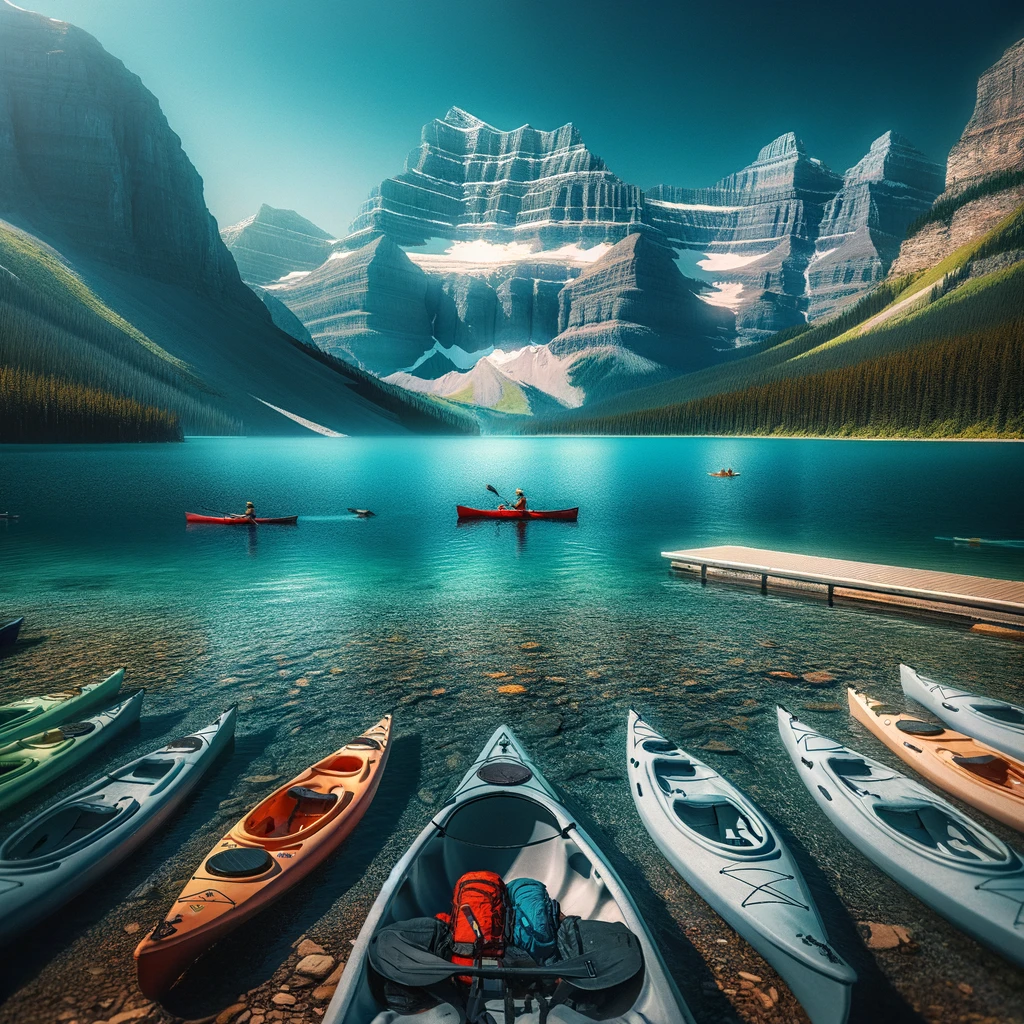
(16, 715)
(72, 826)
(1006, 714)
(294, 813)
(722, 823)
(515, 836)
(931, 827)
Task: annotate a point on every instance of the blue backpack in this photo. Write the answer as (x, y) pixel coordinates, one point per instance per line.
(534, 919)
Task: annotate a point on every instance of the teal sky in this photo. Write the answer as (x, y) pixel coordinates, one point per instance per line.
(307, 104)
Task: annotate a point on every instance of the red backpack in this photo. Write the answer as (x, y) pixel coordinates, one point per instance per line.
(480, 897)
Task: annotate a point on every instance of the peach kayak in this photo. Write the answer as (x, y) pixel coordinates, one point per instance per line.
(274, 846)
(977, 774)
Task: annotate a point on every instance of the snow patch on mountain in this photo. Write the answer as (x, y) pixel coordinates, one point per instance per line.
(714, 262)
(728, 295)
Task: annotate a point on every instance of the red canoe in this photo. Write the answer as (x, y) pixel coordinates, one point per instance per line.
(192, 517)
(511, 513)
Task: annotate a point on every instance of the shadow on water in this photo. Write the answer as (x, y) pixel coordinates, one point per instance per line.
(875, 999)
(38, 945)
(685, 964)
(250, 955)
(22, 644)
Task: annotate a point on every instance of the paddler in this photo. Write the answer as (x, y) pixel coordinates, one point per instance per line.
(520, 503)
(250, 512)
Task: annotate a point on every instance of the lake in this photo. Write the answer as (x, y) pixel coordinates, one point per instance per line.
(317, 630)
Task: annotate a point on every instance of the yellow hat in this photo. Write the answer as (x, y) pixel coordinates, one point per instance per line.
(519, 490)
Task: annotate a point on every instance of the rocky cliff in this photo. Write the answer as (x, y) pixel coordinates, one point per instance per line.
(984, 172)
(87, 157)
(863, 225)
(635, 298)
(468, 180)
(273, 243)
(367, 306)
(994, 137)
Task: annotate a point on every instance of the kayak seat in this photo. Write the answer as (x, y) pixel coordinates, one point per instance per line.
(933, 828)
(309, 805)
(721, 822)
(987, 766)
(915, 727)
(1000, 712)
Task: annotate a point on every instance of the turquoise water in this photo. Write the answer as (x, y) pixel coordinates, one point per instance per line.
(319, 629)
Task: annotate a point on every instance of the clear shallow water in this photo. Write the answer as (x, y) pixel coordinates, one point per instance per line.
(319, 629)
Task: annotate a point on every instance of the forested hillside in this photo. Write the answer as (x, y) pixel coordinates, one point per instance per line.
(937, 353)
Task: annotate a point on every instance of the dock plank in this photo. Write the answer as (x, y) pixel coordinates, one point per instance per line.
(921, 584)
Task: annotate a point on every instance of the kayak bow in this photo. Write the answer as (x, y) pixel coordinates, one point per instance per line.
(510, 513)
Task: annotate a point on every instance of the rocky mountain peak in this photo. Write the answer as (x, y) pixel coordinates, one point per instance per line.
(892, 157)
(994, 137)
(783, 147)
(274, 243)
(459, 118)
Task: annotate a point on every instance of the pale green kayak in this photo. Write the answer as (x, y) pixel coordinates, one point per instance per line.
(27, 764)
(32, 715)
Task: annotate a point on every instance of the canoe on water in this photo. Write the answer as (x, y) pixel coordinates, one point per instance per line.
(74, 842)
(29, 763)
(977, 774)
(729, 853)
(996, 723)
(274, 846)
(194, 517)
(9, 632)
(510, 513)
(504, 817)
(961, 870)
(31, 715)
(727, 476)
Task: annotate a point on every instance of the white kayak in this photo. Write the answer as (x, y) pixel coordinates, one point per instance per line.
(961, 870)
(996, 723)
(729, 853)
(74, 842)
(504, 817)
(34, 761)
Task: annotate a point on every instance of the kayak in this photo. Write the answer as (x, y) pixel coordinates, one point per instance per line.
(280, 841)
(34, 714)
(194, 517)
(504, 817)
(9, 632)
(29, 763)
(728, 852)
(961, 870)
(727, 476)
(977, 774)
(511, 513)
(74, 842)
(996, 723)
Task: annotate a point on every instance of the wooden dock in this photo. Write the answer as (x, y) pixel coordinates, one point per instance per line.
(952, 593)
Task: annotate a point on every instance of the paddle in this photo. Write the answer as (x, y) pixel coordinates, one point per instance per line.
(612, 957)
(508, 504)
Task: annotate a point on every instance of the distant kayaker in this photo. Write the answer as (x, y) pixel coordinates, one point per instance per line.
(520, 503)
(250, 511)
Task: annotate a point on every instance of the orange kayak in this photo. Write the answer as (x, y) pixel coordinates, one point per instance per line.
(274, 846)
(979, 775)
